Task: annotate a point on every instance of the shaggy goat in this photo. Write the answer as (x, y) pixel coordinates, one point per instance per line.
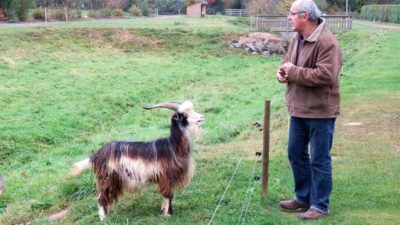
(120, 165)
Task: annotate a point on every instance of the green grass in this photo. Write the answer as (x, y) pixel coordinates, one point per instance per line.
(68, 88)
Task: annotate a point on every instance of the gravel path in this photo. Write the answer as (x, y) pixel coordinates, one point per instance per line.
(378, 25)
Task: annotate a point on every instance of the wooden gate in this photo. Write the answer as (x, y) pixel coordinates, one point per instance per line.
(281, 24)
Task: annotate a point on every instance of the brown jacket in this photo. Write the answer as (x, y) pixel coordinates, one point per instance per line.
(313, 87)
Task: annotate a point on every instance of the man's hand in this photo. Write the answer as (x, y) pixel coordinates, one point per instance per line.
(283, 72)
(281, 76)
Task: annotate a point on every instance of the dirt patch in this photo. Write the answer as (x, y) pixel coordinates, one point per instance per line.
(59, 215)
(94, 36)
(109, 38)
(126, 36)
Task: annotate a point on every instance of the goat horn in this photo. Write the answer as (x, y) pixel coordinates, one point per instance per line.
(169, 105)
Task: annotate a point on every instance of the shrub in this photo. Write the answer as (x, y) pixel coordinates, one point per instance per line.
(118, 12)
(38, 14)
(105, 12)
(22, 7)
(93, 14)
(135, 11)
(77, 13)
(393, 14)
(60, 15)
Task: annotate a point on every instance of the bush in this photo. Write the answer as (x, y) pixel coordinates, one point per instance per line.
(393, 13)
(105, 12)
(60, 15)
(38, 14)
(77, 13)
(118, 12)
(135, 11)
(22, 7)
(93, 14)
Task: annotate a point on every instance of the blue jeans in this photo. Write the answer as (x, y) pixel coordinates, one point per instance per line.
(312, 169)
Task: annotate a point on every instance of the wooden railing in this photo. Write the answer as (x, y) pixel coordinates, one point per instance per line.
(237, 12)
(281, 24)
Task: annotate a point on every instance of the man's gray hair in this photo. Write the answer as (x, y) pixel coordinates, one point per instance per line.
(309, 7)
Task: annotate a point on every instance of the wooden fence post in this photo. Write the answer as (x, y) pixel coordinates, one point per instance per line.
(265, 149)
(66, 13)
(45, 14)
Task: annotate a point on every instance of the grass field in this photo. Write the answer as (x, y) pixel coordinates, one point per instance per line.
(68, 88)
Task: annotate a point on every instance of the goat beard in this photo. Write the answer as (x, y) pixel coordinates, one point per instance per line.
(195, 131)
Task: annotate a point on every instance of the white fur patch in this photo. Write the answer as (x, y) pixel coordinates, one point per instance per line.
(164, 205)
(102, 213)
(80, 166)
(185, 106)
(136, 173)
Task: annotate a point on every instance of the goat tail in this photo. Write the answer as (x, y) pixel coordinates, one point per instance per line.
(79, 167)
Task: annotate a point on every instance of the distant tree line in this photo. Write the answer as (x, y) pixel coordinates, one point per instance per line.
(280, 7)
(19, 9)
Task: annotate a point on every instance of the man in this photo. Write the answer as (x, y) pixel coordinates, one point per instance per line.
(311, 70)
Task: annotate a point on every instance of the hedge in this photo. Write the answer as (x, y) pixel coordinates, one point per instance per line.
(384, 13)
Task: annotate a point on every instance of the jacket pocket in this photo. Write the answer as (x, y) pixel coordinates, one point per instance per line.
(318, 98)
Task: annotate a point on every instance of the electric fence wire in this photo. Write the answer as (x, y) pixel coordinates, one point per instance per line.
(226, 189)
(246, 197)
(247, 202)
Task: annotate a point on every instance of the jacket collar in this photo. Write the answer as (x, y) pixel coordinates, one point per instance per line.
(316, 33)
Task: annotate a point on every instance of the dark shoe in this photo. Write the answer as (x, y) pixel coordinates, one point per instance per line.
(311, 214)
(293, 205)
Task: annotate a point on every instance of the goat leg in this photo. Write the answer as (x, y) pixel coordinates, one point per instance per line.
(166, 206)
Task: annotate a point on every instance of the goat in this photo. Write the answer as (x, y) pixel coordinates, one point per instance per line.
(126, 165)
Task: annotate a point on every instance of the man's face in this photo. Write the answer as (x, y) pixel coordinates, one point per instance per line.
(296, 18)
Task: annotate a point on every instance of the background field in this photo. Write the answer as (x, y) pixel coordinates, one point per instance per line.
(66, 89)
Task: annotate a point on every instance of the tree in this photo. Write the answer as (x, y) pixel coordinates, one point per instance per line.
(16, 9)
(22, 7)
(170, 6)
(217, 7)
(263, 7)
(322, 4)
(283, 7)
(5, 4)
(238, 4)
(190, 2)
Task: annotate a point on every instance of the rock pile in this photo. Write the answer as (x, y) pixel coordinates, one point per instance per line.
(261, 43)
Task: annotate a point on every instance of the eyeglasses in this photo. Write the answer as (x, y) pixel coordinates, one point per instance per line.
(292, 13)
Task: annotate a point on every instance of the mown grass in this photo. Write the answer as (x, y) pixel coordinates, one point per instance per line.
(69, 88)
